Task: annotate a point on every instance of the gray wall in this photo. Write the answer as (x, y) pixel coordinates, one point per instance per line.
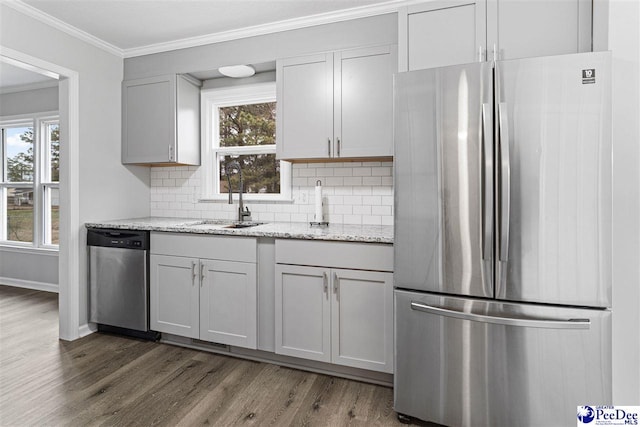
(376, 30)
(29, 101)
(107, 189)
(22, 267)
(29, 269)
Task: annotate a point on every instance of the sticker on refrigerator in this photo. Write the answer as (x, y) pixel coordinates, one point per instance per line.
(608, 416)
(589, 76)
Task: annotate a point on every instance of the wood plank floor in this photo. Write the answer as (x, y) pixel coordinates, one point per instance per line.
(115, 381)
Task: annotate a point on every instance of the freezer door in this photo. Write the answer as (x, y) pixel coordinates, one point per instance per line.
(464, 362)
(554, 180)
(443, 180)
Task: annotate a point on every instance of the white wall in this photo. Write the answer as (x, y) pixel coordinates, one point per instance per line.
(624, 42)
(17, 264)
(106, 188)
(29, 101)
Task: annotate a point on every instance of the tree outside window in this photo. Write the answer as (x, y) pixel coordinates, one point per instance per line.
(20, 187)
(240, 125)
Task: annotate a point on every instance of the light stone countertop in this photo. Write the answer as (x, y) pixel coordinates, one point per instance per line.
(287, 230)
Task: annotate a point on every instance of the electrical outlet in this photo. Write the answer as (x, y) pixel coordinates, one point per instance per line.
(304, 197)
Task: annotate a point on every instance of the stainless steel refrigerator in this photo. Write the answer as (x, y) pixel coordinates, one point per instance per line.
(503, 241)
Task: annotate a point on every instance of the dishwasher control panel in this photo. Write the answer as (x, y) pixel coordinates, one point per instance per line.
(114, 238)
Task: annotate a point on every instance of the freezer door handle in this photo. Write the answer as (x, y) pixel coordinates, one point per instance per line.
(487, 200)
(505, 180)
(507, 321)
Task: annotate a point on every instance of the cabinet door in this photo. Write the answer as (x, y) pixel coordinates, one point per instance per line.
(304, 125)
(174, 295)
(522, 29)
(362, 319)
(441, 33)
(149, 120)
(228, 303)
(303, 324)
(363, 102)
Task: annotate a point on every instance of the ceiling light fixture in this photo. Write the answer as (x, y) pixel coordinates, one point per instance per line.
(237, 71)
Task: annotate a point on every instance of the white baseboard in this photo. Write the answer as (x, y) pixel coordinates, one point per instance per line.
(87, 329)
(28, 284)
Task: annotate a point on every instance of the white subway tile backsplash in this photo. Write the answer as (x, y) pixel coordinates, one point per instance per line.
(381, 171)
(353, 180)
(381, 210)
(343, 171)
(372, 220)
(362, 171)
(371, 180)
(307, 172)
(354, 193)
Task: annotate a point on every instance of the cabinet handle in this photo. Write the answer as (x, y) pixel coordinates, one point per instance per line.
(495, 52)
(336, 285)
(193, 273)
(170, 152)
(338, 147)
(201, 274)
(329, 147)
(480, 53)
(325, 279)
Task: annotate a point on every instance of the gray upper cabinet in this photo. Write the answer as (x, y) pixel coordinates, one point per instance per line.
(161, 120)
(450, 32)
(336, 105)
(521, 29)
(441, 33)
(304, 124)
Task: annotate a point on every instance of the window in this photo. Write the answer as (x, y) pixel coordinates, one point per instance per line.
(239, 124)
(29, 181)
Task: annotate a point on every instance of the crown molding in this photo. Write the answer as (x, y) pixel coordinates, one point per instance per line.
(37, 14)
(274, 27)
(258, 30)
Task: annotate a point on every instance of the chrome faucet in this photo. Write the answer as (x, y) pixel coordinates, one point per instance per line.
(243, 213)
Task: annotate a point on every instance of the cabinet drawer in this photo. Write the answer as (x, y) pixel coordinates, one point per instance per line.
(231, 248)
(359, 256)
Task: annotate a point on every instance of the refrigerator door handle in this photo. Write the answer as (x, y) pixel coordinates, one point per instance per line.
(487, 200)
(505, 180)
(507, 321)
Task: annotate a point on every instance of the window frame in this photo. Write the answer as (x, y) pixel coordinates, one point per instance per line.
(211, 101)
(39, 186)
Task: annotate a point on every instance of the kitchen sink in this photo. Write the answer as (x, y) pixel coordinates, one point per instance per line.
(243, 225)
(208, 224)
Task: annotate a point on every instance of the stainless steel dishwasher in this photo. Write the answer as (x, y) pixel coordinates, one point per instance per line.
(119, 281)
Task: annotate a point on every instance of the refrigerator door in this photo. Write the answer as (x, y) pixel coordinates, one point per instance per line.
(443, 180)
(554, 180)
(469, 362)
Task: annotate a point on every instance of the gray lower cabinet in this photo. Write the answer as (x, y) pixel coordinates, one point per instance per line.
(174, 295)
(449, 32)
(228, 303)
(161, 120)
(209, 299)
(303, 312)
(336, 315)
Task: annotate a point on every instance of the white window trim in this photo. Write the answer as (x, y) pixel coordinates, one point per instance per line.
(37, 121)
(211, 100)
